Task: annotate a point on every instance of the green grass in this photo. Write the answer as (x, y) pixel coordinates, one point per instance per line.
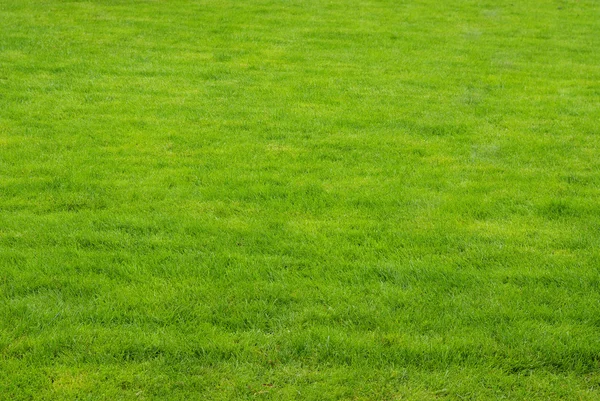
(299, 199)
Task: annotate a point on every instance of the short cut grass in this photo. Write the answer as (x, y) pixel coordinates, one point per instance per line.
(299, 199)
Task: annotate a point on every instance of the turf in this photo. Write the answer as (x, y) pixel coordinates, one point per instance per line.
(310, 200)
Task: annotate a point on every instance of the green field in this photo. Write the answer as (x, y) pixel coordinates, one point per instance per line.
(299, 199)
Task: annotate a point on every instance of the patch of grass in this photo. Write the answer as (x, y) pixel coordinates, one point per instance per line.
(299, 199)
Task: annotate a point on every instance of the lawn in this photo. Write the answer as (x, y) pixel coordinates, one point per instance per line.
(299, 199)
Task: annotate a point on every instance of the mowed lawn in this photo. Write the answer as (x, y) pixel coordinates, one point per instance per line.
(299, 199)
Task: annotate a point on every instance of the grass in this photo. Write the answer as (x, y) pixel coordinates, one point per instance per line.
(312, 200)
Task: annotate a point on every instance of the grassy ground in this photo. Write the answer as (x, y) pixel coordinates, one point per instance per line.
(299, 199)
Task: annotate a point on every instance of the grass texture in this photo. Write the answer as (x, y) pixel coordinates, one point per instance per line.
(299, 199)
